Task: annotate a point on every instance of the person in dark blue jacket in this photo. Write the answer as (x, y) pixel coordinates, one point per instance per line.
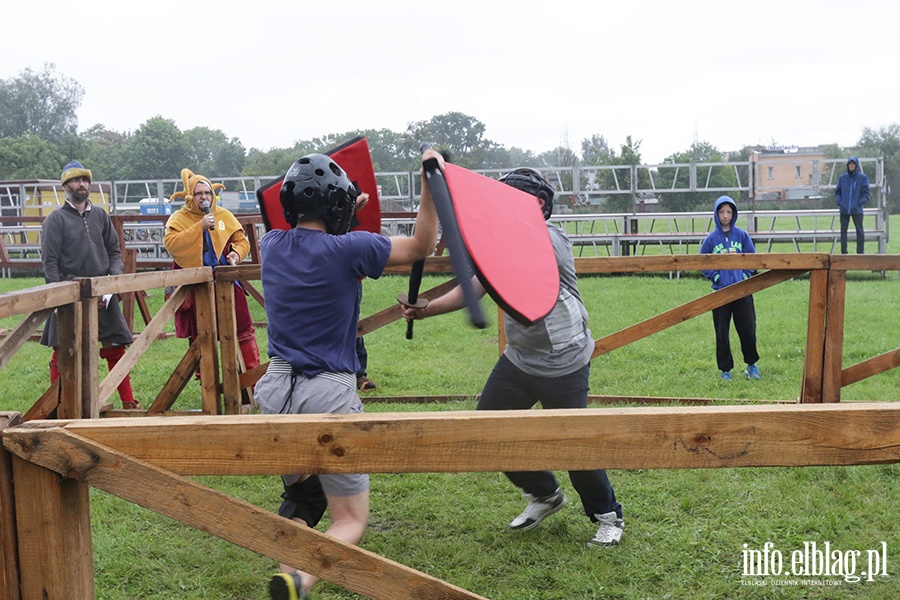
(851, 193)
(728, 238)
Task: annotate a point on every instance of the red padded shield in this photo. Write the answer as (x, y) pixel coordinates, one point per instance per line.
(353, 156)
(506, 236)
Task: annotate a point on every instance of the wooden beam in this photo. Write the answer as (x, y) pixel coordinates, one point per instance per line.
(233, 520)
(54, 532)
(237, 272)
(868, 368)
(9, 545)
(68, 355)
(686, 437)
(866, 262)
(690, 310)
(46, 404)
(141, 344)
(129, 257)
(90, 359)
(205, 310)
(51, 295)
(134, 282)
(811, 387)
(834, 336)
(177, 381)
(17, 338)
(697, 262)
(232, 361)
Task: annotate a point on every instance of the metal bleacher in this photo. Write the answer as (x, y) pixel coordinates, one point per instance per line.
(142, 207)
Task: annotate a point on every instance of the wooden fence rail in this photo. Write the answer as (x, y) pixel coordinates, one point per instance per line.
(144, 461)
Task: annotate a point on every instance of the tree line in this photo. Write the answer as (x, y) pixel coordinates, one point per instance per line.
(39, 134)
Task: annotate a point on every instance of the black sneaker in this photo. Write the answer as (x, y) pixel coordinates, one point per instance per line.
(286, 586)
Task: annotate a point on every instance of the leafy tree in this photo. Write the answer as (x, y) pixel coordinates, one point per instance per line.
(885, 142)
(41, 103)
(595, 151)
(269, 163)
(157, 150)
(213, 153)
(29, 157)
(707, 176)
(101, 150)
(456, 132)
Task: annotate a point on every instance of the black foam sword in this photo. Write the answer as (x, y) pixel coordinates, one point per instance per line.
(459, 256)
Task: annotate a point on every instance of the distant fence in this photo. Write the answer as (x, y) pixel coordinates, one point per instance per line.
(613, 234)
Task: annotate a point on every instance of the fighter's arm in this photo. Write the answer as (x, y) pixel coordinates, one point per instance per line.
(406, 250)
(51, 244)
(452, 300)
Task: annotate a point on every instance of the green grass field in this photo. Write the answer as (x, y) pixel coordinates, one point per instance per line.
(686, 529)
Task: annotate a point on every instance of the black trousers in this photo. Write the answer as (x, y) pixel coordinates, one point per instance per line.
(860, 233)
(743, 313)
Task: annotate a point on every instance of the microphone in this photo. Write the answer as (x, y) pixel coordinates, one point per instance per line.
(204, 206)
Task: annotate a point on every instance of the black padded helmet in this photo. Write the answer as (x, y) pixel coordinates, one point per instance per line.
(317, 187)
(532, 182)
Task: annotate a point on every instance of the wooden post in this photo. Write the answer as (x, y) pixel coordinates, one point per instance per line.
(813, 365)
(232, 362)
(834, 336)
(90, 359)
(129, 257)
(53, 524)
(205, 309)
(68, 327)
(9, 565)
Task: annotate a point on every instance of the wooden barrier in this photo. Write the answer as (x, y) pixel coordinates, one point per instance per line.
(144, 461)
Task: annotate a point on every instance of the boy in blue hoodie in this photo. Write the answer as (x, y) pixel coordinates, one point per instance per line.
(727, 238)
(851, 193)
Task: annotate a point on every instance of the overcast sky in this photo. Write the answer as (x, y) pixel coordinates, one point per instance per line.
(537, 74)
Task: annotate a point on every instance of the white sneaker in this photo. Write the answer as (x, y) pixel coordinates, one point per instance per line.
(610, 531)
(537, 510)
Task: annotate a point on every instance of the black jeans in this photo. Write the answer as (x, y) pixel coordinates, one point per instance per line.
(860, 233)
(509, 388)
(744, 315)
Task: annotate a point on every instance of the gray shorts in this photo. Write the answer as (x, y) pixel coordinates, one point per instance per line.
(318, 395)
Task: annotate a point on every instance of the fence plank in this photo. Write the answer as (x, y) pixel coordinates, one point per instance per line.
(136, 282)
(232, 361)
(90, 359)
(17, 338)
(475, 441)
(205, 309)
(68, 355)
(51, 295)
(868, 368)
(834, 336)
(54, 532)
(232, 519)
(141, 344)
(811, 388)
(9, 565)
(690, 310)
(177, 381)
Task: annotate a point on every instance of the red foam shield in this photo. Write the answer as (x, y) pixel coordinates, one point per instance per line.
(506, 236)
(353, 156)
